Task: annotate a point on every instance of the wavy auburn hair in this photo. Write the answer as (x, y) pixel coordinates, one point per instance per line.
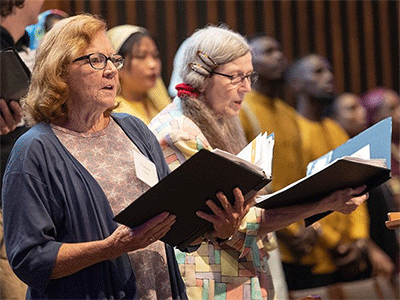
(48, 93)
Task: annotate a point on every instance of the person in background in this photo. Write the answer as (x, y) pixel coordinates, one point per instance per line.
(217, 73)
(320, 256)
(75, 169)
(46, 20)
(143, 93)
(15, 16)
(349, 113)
(264, 111)
(381, 103)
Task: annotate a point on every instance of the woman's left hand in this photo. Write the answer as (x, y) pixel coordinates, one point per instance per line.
(226, 220)
(344, 201)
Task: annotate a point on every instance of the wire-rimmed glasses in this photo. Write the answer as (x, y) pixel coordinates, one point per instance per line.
(239, 78)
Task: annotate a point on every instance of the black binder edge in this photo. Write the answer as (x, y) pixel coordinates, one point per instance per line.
(371, 184)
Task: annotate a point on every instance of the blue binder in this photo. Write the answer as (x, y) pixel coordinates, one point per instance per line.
(377, 138)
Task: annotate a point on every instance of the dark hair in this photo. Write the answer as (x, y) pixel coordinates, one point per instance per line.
(8, 5)
(134, 38)
(49, 21)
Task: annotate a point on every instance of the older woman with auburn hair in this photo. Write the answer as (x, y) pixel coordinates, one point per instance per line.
(78, 166)
(217, 73)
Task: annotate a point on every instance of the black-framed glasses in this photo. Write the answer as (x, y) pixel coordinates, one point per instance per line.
(239, 78)
(98, 61)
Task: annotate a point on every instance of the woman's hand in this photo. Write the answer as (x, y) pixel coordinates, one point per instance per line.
(73, 257)
(10, 116)
(127, 239)
(344, 201)
(226, 221)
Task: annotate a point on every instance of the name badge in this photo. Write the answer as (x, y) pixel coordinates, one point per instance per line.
(145, 169)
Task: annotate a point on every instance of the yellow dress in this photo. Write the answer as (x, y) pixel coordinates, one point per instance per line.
(157, 99)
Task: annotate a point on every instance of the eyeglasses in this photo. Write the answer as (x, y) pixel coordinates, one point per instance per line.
(239, 78)
(98, 61)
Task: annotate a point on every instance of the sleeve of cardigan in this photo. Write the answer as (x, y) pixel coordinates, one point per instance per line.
(29, 229)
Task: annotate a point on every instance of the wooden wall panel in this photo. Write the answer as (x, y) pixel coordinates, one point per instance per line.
(191, 17)
(130, 7)
(369, 42)
(319, 28)
(231, 14)
(151, 15)
(354, 47)
(249, 18)
(337, 44)
(171, 44)
(360, 38)
(302, 27)
(212, 11)
(385, 41)
(269, 18)
(286, 29)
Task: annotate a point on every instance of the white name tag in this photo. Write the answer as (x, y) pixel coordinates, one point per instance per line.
(145, 169)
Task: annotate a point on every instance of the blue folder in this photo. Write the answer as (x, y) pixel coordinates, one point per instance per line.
(377, 137)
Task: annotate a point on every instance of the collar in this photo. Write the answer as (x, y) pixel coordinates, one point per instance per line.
(6, 40)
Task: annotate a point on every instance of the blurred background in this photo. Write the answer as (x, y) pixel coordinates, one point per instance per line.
(359, 38)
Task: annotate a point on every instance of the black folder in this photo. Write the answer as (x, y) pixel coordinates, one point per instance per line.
(343, 173)
(14, 77)
(186, 190)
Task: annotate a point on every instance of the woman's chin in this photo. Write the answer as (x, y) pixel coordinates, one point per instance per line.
(232, 113)
(149, 83)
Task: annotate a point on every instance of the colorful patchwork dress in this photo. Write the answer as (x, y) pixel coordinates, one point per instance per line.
(237, 269)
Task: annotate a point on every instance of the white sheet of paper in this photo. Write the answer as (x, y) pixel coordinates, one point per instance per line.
(145, 169)
(364, 152)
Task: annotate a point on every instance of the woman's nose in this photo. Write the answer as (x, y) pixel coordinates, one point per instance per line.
(110, 70)
(246, 84)
(152, 62)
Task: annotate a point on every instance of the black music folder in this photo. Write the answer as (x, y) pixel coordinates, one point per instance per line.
(186, 190)
(14, 76)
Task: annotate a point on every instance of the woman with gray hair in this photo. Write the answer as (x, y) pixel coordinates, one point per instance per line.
(217, 73)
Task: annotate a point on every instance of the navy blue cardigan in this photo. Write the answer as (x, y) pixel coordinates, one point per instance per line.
(49, 198)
